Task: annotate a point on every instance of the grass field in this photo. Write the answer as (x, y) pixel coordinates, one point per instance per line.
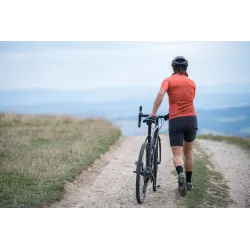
(38, 154)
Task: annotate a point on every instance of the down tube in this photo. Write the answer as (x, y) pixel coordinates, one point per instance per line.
(156, 134)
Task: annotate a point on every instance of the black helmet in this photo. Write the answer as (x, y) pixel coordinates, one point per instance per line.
(180, 61)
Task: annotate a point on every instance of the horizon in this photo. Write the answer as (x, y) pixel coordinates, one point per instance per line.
(225, 95)
(247, 84)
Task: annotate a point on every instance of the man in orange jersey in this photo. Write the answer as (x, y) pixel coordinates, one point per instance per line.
(182, 119)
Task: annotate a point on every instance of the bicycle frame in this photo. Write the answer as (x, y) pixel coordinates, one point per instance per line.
(152, 141)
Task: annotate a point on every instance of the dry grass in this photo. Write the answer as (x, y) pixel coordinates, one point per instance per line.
(39, 153)
(243, 142)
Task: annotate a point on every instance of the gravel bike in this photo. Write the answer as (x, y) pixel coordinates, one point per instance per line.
(149, 156)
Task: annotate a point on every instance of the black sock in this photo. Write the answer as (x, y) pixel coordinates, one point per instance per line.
(179, 169)
(188, 176)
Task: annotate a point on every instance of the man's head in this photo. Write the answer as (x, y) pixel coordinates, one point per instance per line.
(179, 65)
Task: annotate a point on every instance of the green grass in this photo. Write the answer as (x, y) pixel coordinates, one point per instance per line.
(210, 189)
(39, 154)
(245, 143)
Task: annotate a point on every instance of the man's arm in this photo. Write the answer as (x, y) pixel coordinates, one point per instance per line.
(158, 100)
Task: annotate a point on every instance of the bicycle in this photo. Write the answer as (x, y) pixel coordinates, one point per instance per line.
(151, 149)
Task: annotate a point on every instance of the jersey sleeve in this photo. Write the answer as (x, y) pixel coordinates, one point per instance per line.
(194, 85)
(165, 84)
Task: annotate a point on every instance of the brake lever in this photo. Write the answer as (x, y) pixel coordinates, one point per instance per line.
(166, 117)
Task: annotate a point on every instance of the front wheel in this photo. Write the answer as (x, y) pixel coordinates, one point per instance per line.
(141, 174)
(155, 166)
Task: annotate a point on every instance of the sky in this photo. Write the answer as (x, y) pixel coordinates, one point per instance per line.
(82, 65)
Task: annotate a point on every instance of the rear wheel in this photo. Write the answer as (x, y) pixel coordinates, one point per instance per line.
(141, 176)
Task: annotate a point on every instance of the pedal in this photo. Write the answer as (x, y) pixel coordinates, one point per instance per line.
(158, 186)
(134, 172)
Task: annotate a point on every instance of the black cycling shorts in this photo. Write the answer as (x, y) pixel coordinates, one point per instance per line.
(182, 129)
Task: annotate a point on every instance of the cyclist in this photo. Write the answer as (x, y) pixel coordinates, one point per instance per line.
(182, 119)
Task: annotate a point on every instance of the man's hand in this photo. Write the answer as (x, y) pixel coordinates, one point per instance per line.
(166, 117)
(150, 118)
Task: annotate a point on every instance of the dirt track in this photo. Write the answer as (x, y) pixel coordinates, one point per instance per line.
(111, 181)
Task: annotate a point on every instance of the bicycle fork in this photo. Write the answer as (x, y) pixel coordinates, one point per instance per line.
(149, 163)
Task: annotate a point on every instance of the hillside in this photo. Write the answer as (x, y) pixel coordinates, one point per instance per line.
(39, 154)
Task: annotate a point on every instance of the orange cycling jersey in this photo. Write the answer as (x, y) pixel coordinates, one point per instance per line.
(181, 93)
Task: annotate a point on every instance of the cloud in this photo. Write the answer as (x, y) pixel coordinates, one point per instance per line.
(95, 64)
(127, 50)
(231, 119)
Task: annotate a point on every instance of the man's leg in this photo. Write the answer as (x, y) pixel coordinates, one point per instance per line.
(176, 142)
(189, 138)
(188, 162)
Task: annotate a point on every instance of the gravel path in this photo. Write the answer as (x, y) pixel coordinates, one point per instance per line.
(234, 163)
(111, 181)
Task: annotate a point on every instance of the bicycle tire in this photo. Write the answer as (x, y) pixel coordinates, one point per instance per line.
(159, 148)
(155, 166)
(141, 194)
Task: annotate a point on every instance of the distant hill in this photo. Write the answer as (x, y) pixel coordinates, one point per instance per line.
(223, 113)
(222, 95)
(228, 121)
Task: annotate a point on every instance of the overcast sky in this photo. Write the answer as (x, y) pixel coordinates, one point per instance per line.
(63, 65)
